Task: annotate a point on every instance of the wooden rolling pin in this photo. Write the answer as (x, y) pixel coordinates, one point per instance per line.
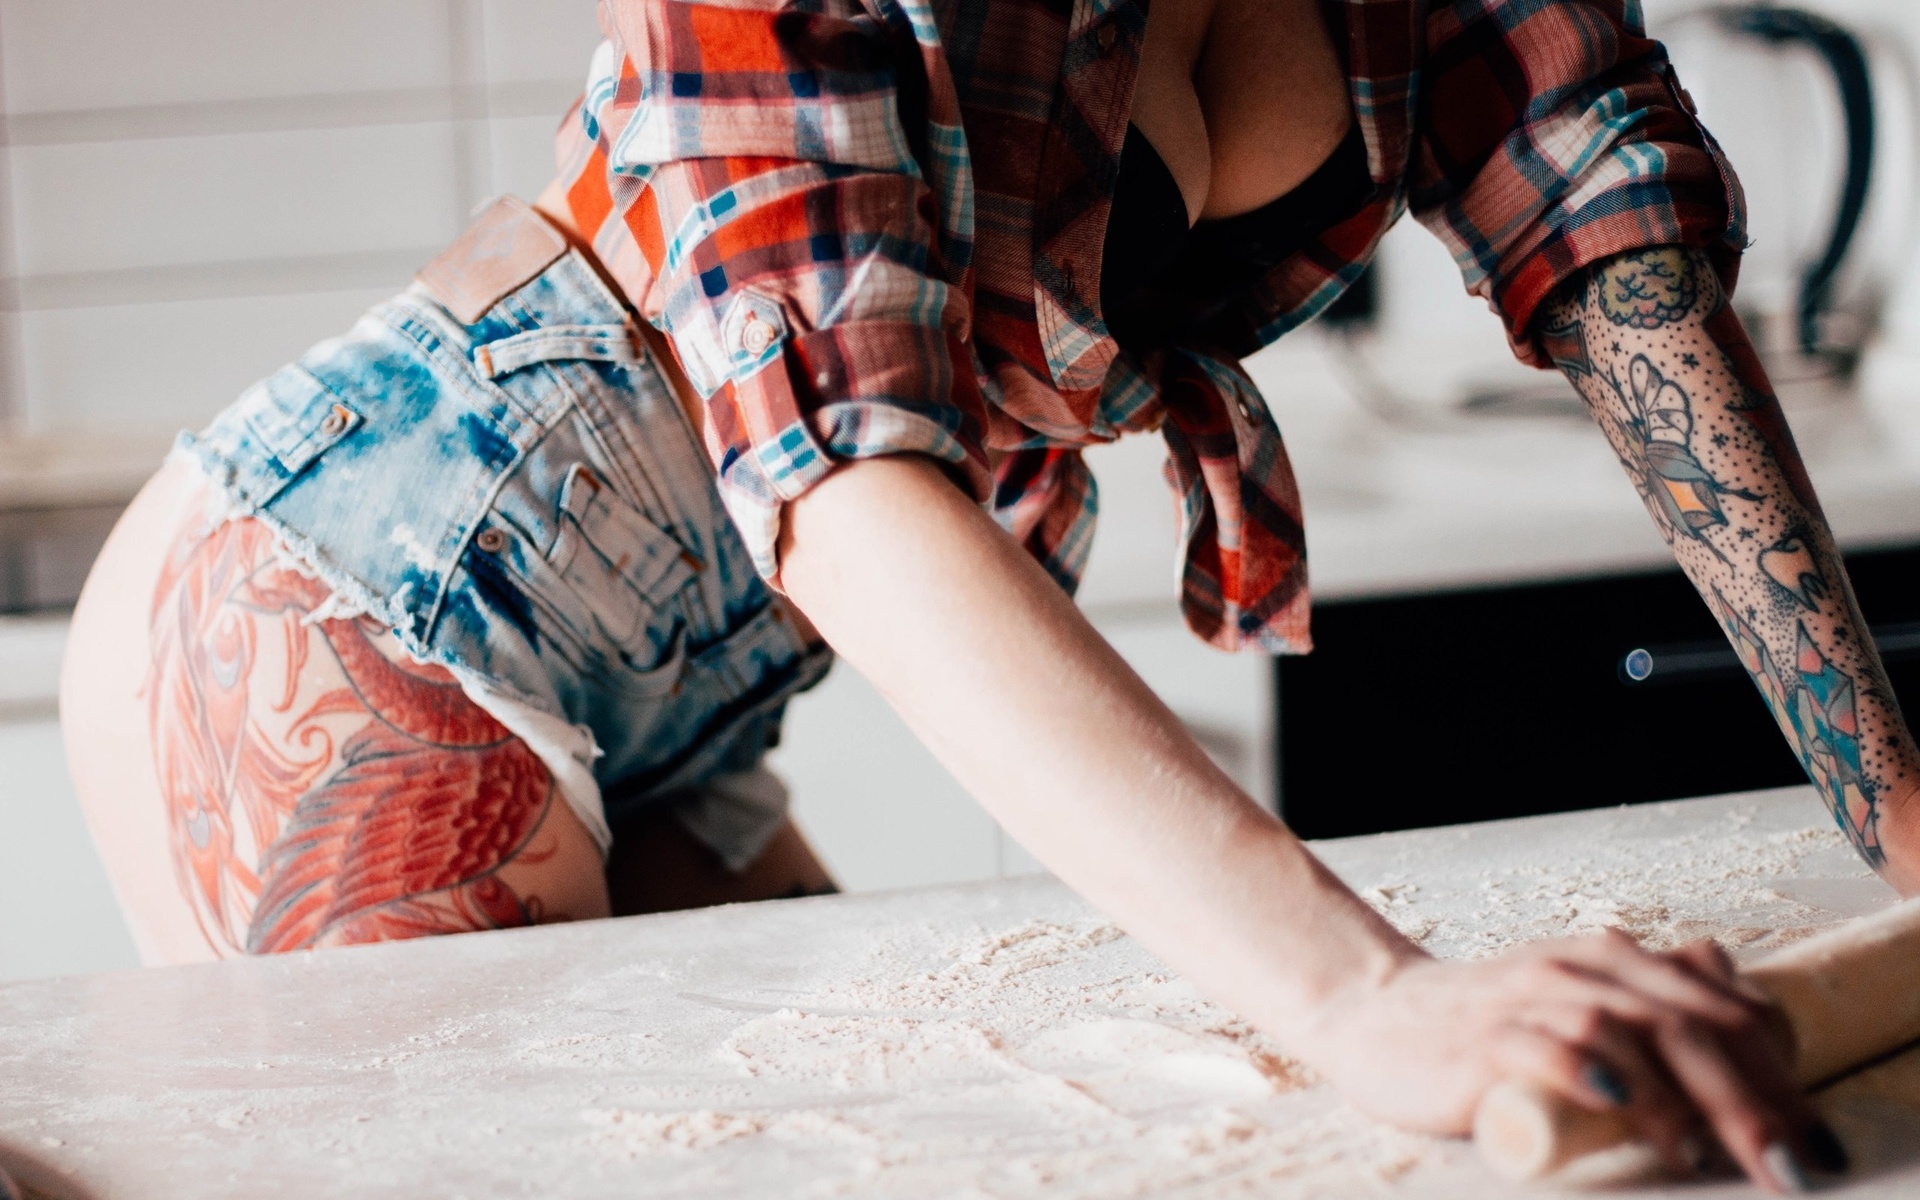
(1850, 995)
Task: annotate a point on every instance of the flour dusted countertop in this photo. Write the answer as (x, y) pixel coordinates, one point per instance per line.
(988, 1040)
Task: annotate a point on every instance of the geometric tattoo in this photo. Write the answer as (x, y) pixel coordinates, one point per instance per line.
(1815, 706)
(383, 807)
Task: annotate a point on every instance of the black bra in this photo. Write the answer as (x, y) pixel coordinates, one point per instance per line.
(1153, 266)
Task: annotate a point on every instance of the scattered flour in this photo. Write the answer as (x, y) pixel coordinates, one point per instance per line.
(642, 1133)
(920, 1047)
(1665, 893)
(1136, 1086)
(909, 1074)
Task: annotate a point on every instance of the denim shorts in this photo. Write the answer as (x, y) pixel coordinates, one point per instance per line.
(493, 465)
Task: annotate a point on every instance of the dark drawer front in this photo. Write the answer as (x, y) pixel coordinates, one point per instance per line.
(1470, 706)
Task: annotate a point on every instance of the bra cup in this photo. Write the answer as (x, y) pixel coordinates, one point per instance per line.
(1156, 279)
(1146, 231)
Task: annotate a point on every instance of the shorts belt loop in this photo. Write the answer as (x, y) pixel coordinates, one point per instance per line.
(556, 343)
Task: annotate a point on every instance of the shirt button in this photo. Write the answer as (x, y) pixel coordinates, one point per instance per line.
(1106, 37)
(336, 422)
(1246, 410)
(492, 541)
(757, 336)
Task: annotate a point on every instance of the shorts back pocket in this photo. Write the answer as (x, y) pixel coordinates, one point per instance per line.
(624, 568)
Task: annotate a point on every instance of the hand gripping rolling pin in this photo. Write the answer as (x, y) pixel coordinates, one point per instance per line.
(1850, 995)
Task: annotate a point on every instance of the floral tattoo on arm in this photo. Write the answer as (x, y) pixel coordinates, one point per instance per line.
(1650, 342)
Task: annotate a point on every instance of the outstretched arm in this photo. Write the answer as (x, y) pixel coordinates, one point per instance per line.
(997, 672)
(1650, 341)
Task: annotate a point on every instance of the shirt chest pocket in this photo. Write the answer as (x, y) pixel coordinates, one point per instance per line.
(626, 571)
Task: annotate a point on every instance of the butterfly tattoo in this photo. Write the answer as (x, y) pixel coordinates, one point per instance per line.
(1655, 435)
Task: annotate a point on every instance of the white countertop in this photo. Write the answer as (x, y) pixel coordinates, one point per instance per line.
(993, 1039)
(1438, 500)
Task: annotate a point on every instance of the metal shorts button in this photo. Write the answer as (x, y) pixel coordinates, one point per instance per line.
(336, 422)
(492, 541)
(757, 335)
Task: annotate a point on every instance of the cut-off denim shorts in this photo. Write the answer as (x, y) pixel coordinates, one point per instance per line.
(492, 465)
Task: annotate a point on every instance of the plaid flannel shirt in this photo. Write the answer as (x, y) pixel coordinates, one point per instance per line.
(875, 226)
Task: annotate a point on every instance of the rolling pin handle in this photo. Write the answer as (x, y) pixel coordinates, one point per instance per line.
(1525, 1132)
(1847, 995)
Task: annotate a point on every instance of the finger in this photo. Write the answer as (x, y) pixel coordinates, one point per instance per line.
(1767, 1060)
(1561, 981)
(1622, 1066)
(1774, 1041)
(1763, 1050)
(1708, 959)
(1761, 1062)
(1752, 1045)
(1753, 1127)
(1659, 977)
(1536, 1056)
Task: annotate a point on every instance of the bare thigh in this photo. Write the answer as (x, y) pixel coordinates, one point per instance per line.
(258, 780)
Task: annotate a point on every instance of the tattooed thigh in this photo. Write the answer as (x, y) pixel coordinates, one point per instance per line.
(321, 788)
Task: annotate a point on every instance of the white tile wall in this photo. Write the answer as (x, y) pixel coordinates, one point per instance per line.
(538, 39)
(103, 206)
(191, 193)
(63, 56)
(170, 364)
(522, 153)
(173, 161)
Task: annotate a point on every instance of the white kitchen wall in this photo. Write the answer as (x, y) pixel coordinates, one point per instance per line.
(196, 190)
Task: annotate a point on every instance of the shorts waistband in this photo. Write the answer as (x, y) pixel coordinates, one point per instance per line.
(518, 294)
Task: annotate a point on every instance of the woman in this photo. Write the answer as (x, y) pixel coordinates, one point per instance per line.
(427, 623)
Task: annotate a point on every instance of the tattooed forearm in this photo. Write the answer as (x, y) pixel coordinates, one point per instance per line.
(1650, 342)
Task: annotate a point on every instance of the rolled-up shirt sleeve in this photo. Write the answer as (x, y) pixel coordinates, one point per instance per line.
(769, 165)
(1552, 136)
